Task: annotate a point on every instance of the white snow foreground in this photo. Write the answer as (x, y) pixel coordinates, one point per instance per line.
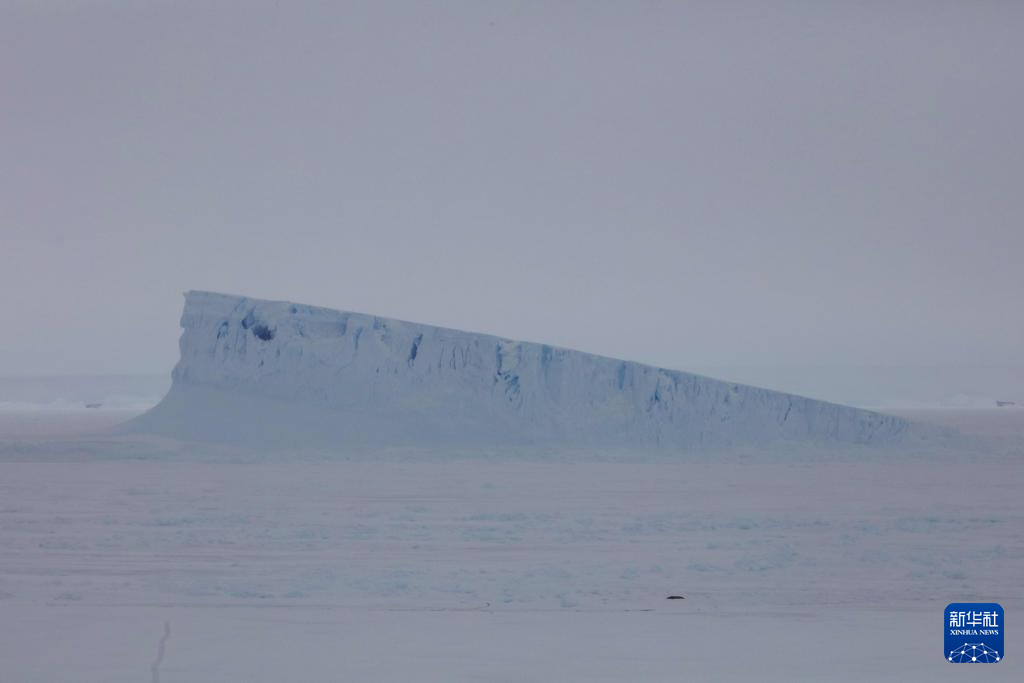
(257, 372)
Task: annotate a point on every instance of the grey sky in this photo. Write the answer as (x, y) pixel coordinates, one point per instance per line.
(820, 197)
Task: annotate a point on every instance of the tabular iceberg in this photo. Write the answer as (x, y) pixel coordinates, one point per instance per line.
(279, 373)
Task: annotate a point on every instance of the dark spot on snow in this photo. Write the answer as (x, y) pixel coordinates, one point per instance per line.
(251, 322)
(263, 332)
(675, 597)
(512, 387)
(222, 331)
(294, 310)
(415, 349)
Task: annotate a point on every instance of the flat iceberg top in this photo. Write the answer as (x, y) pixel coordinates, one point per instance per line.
(257, 371)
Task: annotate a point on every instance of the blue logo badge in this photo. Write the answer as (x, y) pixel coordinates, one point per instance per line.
(974, 632)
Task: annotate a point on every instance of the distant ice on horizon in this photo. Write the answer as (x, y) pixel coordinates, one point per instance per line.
(73, 393)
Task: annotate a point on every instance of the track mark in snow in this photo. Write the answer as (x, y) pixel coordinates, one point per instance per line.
(155, 669)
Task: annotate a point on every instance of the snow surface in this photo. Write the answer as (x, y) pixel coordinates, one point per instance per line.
(126, 558)
(271, 373)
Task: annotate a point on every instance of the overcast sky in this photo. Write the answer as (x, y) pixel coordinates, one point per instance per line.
(821, 197)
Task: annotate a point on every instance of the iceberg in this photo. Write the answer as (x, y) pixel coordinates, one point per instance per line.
(276, 373)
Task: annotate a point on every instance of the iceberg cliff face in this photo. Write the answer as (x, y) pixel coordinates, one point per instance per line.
(256, 371)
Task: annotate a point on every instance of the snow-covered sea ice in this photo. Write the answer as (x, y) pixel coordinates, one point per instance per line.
(428, 565)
